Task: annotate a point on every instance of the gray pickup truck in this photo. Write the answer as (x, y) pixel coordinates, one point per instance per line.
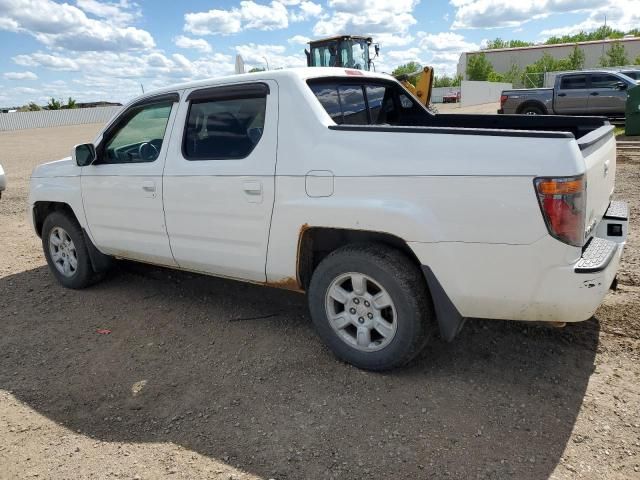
(602, 93)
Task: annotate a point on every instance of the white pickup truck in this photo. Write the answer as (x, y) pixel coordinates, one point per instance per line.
(396, 223)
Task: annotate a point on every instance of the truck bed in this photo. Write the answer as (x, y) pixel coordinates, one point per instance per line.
(578, 126)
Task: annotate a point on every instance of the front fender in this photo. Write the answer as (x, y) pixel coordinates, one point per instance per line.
(65, 190)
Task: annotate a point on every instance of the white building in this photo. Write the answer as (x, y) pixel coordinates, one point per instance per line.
(503, 58)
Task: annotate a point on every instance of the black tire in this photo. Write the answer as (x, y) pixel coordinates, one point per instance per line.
(532, 110)
(404, 283)
(84, 275)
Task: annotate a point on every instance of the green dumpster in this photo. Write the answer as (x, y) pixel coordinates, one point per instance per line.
(632, 113)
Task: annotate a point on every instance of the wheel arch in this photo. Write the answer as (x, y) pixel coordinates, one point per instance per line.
(533, 103)
(315, 243)
(42, 209)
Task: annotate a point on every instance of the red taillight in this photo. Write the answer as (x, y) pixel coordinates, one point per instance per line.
(563, 205)
(503, 99)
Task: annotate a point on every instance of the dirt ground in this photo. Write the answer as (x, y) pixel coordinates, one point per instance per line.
(209, 378)
(485, 108)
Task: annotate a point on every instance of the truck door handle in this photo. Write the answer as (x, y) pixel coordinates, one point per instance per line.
(253, 191)
(594, 94)
(562, 94)
(253, 188)
(149, 187)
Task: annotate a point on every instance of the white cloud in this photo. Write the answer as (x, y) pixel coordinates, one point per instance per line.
(298, 40)
(622, 15)
(305, 11)
(445, 42)
(122, 12)
(53, 62)
(259, 55)
(250, 15)
(66, 26)
(264, 17)
(117, 76)
(367, 17)
(213, 22)
(199, 44)
(390, 40)
(509, 13)
(113, 67)
(20, 76)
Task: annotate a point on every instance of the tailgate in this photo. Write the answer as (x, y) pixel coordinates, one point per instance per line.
(599, 152)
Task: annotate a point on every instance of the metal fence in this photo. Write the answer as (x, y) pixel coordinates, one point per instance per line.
(438, 93)
(55, 118)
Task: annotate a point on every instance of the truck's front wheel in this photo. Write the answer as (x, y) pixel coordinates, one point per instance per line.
(66, 251)
(370, 304)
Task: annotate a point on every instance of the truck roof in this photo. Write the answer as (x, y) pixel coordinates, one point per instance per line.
(302, 73)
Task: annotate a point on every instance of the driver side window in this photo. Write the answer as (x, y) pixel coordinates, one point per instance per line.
(139, 137)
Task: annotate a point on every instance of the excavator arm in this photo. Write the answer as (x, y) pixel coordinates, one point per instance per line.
(424, 84)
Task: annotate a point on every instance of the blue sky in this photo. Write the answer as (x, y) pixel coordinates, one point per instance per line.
(103, 50)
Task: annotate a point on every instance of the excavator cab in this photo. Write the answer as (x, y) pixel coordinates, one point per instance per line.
(346, 51)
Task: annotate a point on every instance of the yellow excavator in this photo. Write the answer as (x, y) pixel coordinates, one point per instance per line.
(353, 51)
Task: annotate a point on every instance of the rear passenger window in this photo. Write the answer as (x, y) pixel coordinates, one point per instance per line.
(224, 128)
(573, 82)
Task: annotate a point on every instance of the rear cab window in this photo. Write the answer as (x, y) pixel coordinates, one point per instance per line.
(573, 82)
(367, 102)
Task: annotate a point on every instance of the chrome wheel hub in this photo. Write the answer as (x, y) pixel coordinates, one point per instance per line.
(361, 312)
(63, 252)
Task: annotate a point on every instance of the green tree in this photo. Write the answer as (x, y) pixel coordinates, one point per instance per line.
(407, 69)
(478, 67)
(443, 81)
(512, 75)
(54, 104)
(256, 69)
(576, 58)
(71, 103)
(601, 33)
(615, 56)
(495, 77)
(30, 107)
(500, 43)
(533, 75)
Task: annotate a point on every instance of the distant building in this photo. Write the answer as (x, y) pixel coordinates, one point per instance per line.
(503, 58)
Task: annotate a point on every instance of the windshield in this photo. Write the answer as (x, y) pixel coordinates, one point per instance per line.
(350, 53)
(359, 54)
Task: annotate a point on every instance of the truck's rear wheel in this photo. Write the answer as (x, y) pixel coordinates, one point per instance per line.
(532, 110)
(66, 251)
(370, 304)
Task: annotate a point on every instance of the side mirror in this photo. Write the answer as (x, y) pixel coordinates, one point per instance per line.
(621, 86)
(84, 154)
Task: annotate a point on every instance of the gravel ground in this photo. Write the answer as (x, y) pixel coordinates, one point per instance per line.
(209, 378)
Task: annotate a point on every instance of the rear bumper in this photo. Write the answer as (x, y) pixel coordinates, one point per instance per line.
(544, 281)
